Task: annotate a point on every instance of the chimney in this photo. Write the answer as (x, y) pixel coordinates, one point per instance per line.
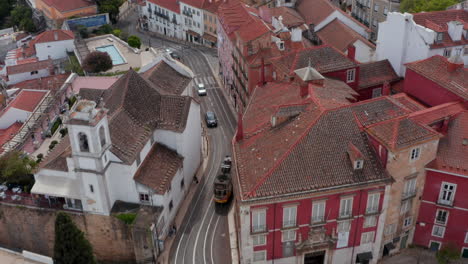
(455, 62)
(351, 52)
(240, 128)
(444, 128)
(304, 92)
(386, 89)
(55, 35)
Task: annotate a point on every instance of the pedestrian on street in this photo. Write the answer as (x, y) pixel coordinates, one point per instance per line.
(195, 179)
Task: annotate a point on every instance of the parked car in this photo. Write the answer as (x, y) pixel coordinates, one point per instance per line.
(201, 90)
(210, 119)
(173, 54)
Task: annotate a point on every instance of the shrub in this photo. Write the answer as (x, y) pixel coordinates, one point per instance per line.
(105, 29)
(127, 218)
(83, 31)
(134, 41)
(72, 101)
(448, 253)
(55, 126)
(63, 132)
(52, 146)
(39, 157)
(97, 62)
(117, 32)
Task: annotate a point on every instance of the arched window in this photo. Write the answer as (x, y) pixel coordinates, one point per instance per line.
(83, 141)
(102, 136)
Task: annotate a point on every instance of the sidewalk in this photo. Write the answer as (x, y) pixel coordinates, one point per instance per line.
(164, 257)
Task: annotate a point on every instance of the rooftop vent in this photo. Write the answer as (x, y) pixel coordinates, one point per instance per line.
(355, 156)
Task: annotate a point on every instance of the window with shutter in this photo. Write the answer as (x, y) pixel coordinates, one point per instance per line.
(373, 203)
(318, 212)
(289, 216)
(258, 221)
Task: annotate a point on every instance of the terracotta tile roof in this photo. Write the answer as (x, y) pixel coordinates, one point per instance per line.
(51, 83)
(28, 100)
(452, 155)
(291, 18)
(306, 153)
(437, 113)
(57, 159)
(315, 11)
(323, 58)
(194, 3)
(168, 4)
(136, 109)
(159, 168)
(435, 68)
(53, 35)
(29, 67)
(437, 21)
(340, 36)
(253, 30)
(376, 73)
(406, 102)
(212, 6)
(8, 133)
(166, 79)
(69, 5)
(232, 15)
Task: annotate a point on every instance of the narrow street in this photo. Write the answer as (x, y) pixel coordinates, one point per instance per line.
(203, 236)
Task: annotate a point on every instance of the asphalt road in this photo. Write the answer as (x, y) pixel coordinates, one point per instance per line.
(203, 236)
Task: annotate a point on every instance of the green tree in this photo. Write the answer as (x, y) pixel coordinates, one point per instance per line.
(416, 6)
(71, 246)
(448, 253)
(21, 17)
(97, 61)
(5, 8)
(111, 7)
(134, 41)
(16, 168)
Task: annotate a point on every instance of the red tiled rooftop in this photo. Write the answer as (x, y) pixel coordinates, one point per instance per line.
(232, 15)
(29, 67)
(435, 68)
(194, 3)
(168, 4)
(50, 83)
(437, 20)
(291, 18)
(69, 5)
(101, 83)
(437, 113)
(54, 35)
(28, 100)
(340, 36)
(376, 73)
(7, 133)
(253, 30)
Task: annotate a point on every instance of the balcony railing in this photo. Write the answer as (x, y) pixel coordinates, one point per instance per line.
(372, 210)
(445, 202)
(408, 194)
(258, 228)
(318, 219)
(289, 223)
(345, 214)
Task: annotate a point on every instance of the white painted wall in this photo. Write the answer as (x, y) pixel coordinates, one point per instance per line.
(354, 25)
(24, 76)
(157, 24)
(364, 53)
(197, 18)
(13, 115)
(54, 49)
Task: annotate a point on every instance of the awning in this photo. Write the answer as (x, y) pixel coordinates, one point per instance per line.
(56, 186)
(362, 257)
(210, 38)
(193, 33)
(389, 246)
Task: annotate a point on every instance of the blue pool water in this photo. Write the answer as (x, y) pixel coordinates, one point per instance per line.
(113, 53)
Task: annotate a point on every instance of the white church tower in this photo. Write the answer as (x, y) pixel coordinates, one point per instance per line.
(88, 129)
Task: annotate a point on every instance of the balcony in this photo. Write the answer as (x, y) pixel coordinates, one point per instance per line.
(409, 194)
(445, 202)
(161, 15)
(289, 224)
(345, 214)
(318, 220)
(372, 210)
(258, 228)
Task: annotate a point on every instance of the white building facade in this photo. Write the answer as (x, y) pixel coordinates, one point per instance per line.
(162, 18)
(192, 22)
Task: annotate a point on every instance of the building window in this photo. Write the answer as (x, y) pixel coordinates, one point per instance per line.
(466, 238)
(343, 234)
(350, 75)
(259, 255)
(410, 188)
(465, 51)
(346, 207)
(376, 7)
(204, 16)
(367, 237)
(464, 253)
(289, 216)
(438, 231)
(91, 188)
(415, 154)
(144, 197)
(34, 72)
(434, 246)
(373, 203)
(405, 206)
(441, 217)
(390, 229)
(83, 141)
(206, 27)
(102, 136)
(370, 221)
(377, 92)
(258, 221)
(407, 222)
(447, 52)
(447, 193)
(318, 212)
(182, 184)
(288, 235)
(374, 22)
(368, 3)
(359, 164)
(385, 11)
(170, 206)
(198, 13)
(259, 240)
(440, 37)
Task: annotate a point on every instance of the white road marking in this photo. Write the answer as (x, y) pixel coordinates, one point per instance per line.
(198, 233)
(206, 236)
(212, 240)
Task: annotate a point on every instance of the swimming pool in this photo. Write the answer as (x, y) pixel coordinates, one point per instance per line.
(113, 53)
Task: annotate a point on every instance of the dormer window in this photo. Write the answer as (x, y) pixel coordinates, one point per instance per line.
(440, 37)
(358, 164)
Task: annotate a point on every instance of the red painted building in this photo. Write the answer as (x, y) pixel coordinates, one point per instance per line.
(437, 80)
(372, 78)
(444, 207)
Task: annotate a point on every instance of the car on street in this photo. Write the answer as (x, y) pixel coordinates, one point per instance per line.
(201, 90)
(210, 119)
(173, 54)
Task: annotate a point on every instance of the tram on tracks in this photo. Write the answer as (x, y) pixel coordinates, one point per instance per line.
(223, 182)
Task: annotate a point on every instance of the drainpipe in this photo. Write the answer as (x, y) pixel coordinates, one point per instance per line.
(274, 233)
(356, 227)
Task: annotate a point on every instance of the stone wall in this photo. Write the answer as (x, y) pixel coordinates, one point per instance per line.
(32, 229)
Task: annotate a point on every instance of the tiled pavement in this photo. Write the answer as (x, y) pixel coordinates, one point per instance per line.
(417, 256)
